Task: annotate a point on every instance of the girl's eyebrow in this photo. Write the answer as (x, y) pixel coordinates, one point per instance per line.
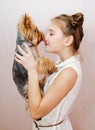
(51, 30)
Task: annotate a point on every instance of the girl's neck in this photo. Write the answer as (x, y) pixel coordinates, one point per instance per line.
(67, 55)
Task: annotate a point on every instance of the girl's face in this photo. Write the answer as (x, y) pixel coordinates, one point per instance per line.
(54, 39)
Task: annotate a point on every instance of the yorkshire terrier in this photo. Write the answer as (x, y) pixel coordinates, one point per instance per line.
(29, 33)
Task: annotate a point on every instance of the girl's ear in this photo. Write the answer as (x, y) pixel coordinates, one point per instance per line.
(69, 40)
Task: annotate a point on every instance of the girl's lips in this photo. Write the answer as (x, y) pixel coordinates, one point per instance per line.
(44, 40)
(46, 44)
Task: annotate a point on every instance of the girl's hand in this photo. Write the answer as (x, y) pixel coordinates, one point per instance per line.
(27, 58)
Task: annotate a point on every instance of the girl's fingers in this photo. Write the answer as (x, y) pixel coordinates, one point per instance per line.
(19, 57)
(21, 50)
(27, 48)
(26, 59)
(18, 60)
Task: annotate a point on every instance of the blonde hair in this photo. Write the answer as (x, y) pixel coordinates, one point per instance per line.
(71, 25)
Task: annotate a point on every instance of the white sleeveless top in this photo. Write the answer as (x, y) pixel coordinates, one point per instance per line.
(61, 111)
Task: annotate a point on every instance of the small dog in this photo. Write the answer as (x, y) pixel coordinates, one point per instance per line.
(29, 33)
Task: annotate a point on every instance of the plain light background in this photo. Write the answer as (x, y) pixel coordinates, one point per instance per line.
(12, 106)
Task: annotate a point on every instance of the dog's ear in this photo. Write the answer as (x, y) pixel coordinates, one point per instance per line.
(27, 21)
(25, 15)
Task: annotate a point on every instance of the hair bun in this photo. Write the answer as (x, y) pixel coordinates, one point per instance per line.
(77, 20)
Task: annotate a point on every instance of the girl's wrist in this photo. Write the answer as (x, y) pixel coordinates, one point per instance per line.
(33, 72)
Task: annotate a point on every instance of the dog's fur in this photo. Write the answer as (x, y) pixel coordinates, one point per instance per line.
(29, 33)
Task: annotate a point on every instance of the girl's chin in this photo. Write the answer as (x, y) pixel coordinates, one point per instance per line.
(47, 50)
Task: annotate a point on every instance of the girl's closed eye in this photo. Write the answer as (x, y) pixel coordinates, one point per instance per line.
(51, 34)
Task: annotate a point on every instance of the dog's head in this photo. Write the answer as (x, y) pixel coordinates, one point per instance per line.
(30, 31)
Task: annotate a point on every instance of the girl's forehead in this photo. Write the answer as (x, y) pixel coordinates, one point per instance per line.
(53, 27)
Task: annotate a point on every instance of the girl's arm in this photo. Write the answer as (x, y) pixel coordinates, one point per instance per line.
(40, 106)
